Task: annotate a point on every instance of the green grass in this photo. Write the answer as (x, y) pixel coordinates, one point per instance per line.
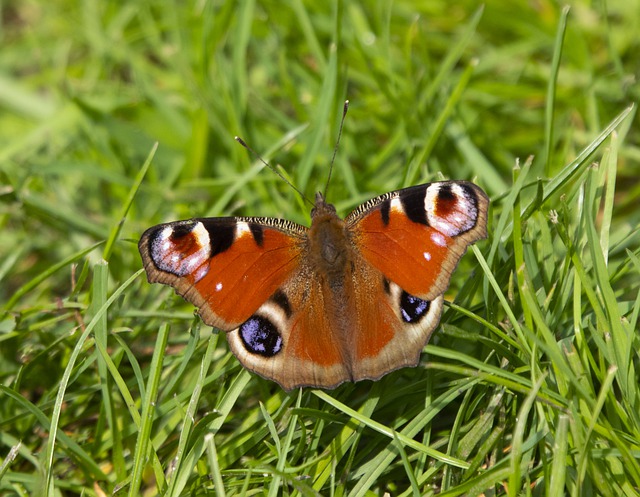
(530, 385)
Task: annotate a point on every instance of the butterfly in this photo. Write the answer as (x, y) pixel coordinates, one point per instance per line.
(343, 300)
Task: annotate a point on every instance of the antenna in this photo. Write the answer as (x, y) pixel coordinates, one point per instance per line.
(345, 108)
(278, 173)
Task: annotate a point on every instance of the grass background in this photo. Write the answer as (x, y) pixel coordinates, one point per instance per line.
(529, 386)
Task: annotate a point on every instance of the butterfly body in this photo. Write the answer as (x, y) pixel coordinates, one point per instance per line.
(343, 300)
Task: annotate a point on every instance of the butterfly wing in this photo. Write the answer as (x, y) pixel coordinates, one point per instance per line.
(409, 242)
(392, 326)
(292, 338)
(312, 334)
(227, 267)
(416, 236)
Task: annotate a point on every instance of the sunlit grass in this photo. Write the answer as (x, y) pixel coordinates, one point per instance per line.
(529, 386)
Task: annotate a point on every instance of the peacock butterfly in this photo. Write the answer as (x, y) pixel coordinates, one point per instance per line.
(343, 300)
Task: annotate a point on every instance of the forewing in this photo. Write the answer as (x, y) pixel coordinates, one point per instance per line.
(227, 267)
(416, 236)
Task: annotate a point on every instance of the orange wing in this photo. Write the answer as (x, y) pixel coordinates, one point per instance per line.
(227, 267)
(309, 334)
(416, 236)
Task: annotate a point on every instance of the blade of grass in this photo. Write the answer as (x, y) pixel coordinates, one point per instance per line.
(388, 432)
(212, 457)
(423, 155)
(46, 488)
(610, 163)
(559, 462)
(551, 90)
(30, 285)
(579, 163)
(189, 417)
(99, 297)
(452, 59)
(324, 109)
(143, 442)
(503, 300)
(181, 478)
(407, 466)
(518, 448)
(307, 27)
(115, 231)
(78, 454)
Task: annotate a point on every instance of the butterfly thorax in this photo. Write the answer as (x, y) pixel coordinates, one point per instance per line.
(328, 242)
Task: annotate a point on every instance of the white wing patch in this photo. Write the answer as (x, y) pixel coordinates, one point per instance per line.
(462, 213)
(167, 258)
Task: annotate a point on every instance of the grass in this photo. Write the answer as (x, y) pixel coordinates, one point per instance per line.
(117, 116)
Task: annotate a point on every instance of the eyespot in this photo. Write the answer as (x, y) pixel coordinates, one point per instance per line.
(260, 336)
(452, 208)
(412, 308)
